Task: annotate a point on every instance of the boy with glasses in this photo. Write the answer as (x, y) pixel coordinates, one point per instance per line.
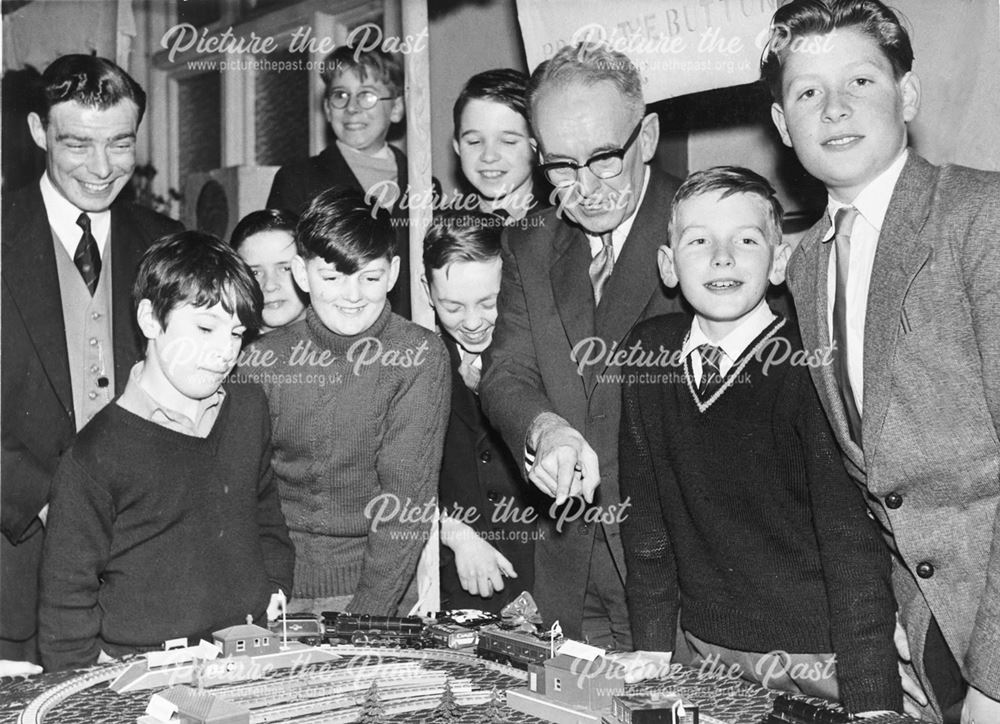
(362, 100)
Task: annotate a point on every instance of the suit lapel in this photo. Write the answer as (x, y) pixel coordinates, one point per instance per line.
(29, 269)
(571, 289)
(899, 256)
(125, 258)
(815, 328)
(635, 278)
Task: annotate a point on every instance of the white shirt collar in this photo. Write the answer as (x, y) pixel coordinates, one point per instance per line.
(736, 342)
(62, 217)
(873, 201)
(620, 233)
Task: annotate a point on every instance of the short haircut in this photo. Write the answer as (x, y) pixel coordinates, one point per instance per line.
(588, 63)
(802, 18)
(192, 267)
(343, 228)
(730, 180)
(90, 81)
(378, 64)
(500, 85)
(460, 237)
(264, 220)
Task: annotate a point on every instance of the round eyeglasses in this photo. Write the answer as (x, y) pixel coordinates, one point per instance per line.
(366, 99)
(604, 165)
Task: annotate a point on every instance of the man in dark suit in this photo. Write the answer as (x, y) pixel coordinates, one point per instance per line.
(70, 251)
(898, 279)
(576, 279)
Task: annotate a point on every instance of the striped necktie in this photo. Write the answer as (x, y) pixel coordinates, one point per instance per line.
(601, 267)
(711, 373)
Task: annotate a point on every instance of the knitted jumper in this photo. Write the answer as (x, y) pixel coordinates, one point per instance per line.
(153, 534)
(743, 518)
(359, 425)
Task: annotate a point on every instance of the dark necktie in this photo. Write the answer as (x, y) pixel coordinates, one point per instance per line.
(601, 267)
(87, 257)
(502, 214)
(711, 373)
(843, 224)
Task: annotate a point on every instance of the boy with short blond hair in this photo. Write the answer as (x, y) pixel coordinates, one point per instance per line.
(359, 400)
(743, 522)
(900, 274)
(165, 520)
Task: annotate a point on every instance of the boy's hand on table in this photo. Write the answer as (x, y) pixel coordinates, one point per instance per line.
(276, 605)
(980, 708)
(643, 665)
(914, 698)
(481, 567)
(18, 668)
(564, 464)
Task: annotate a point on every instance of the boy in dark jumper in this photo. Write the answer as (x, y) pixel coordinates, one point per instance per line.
(359, 401)
(165, 520)
(743, 520)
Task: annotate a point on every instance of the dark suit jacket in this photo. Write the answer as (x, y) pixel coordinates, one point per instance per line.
(298, 183)
(479, 474)
(37, 410)
(931, 457)
(546, 311)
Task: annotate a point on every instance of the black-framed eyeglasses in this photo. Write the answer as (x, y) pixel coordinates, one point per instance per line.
(366, 99)
(604, 165)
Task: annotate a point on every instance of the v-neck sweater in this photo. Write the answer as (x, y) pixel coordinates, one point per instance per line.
(153, 534)
(743, 518)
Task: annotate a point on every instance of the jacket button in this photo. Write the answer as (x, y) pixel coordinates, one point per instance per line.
(493, 496)
(893, 500)
(584, 529)
(925, 569)
(485, 456)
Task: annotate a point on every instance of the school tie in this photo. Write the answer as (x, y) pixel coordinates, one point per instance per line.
(470, 373)
(711, 373)
(503, 215)
(87, 257)
(601, 267)
(843, 224)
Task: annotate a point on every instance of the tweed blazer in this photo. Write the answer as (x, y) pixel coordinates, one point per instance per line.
(546, 312)
(930, 462)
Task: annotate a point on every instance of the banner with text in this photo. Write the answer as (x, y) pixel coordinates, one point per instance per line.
(679, 46)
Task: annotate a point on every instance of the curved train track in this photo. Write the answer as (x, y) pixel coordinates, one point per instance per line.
(41, 705)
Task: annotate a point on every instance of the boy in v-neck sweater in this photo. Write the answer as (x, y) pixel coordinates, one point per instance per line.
(165, 520)
(743, 521)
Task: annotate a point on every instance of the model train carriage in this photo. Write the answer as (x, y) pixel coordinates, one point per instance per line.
(368, 630)
(306, 628)
(516, 648)
(451, 636)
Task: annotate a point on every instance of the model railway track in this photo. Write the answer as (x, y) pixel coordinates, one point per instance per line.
(254, 690)
(35, 711)
(350, 702)
(421, 703)
(41, 705)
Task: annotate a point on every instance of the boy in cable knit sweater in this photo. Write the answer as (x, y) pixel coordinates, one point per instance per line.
(359, 401)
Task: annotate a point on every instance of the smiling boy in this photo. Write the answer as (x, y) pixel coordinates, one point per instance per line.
(165, 520)
(363, 98)
(494, 143)
(743, 521)
(359, 404)
(900, 275)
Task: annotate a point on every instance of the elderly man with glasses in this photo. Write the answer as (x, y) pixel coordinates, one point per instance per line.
(575, 282)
